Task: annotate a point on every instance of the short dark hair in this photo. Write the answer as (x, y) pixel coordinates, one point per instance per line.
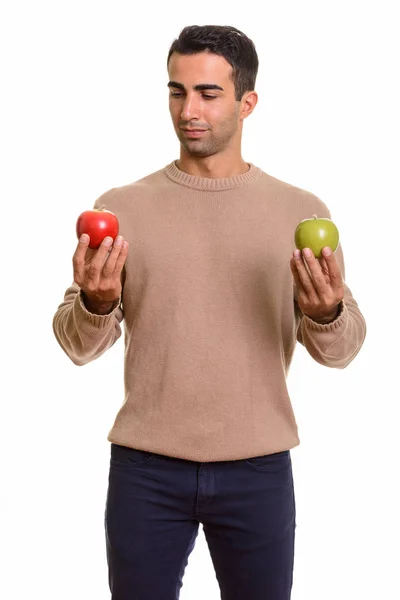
(237, 49)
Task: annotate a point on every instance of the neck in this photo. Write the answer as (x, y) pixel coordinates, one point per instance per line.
(216, 166)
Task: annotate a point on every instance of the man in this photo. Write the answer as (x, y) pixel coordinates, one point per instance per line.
(213, 296)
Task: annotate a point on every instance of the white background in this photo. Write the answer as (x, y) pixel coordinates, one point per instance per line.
(84, 109)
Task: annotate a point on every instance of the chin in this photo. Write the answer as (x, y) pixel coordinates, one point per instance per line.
(196, 150)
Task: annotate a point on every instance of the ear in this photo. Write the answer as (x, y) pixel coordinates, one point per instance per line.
(248, 104)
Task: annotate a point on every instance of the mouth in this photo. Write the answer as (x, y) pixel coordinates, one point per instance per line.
(193, 133)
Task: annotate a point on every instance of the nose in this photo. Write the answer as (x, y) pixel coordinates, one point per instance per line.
(190, 108)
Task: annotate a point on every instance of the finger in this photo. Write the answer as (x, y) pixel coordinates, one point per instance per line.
(295, 274)
(324, 268)
(302, 297)
(100, 257)
(333, 269)
(315, 271)
(303, 276)
(323, 264)
(109, 269)
(78, 259)
(121, 258)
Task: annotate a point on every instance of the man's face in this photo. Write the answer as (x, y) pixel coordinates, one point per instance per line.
(202, 103)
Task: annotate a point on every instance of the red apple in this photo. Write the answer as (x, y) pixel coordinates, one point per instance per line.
(98, 223)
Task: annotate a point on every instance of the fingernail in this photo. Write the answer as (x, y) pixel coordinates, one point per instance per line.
(118, 240)
(107, 241)
(326, 251)
(84, 238)
(307, 252)
(297, 254)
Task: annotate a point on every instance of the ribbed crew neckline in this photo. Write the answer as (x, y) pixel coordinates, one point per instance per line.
(209, 183)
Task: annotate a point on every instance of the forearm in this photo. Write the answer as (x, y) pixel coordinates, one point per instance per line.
(84, 335)
(336, 343)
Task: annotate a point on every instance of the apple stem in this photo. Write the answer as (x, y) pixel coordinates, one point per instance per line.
(315, 216)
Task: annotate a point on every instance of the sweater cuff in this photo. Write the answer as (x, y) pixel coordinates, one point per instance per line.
(99, 321)
(335, 324)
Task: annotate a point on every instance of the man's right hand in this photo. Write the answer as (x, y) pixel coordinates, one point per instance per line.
(98, 272)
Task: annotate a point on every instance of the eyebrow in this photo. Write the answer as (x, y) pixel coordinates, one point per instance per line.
(198, 88)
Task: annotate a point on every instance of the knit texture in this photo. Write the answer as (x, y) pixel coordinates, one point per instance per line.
(209, 315)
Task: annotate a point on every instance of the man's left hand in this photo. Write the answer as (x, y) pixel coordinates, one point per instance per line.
(319, 284)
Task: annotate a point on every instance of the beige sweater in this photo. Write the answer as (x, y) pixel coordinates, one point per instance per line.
(209, 315)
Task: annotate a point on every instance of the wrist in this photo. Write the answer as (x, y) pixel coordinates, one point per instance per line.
(329, 318)
(97, 306)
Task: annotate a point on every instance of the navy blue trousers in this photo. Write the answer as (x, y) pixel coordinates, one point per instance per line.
(153, 510)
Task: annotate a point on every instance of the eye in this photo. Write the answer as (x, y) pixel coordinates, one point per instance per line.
(175, 94)
(208, 97)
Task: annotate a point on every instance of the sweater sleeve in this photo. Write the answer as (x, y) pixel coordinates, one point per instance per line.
(337, 343)
(82, 335)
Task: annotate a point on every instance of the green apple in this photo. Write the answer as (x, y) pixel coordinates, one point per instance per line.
(316, 233)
